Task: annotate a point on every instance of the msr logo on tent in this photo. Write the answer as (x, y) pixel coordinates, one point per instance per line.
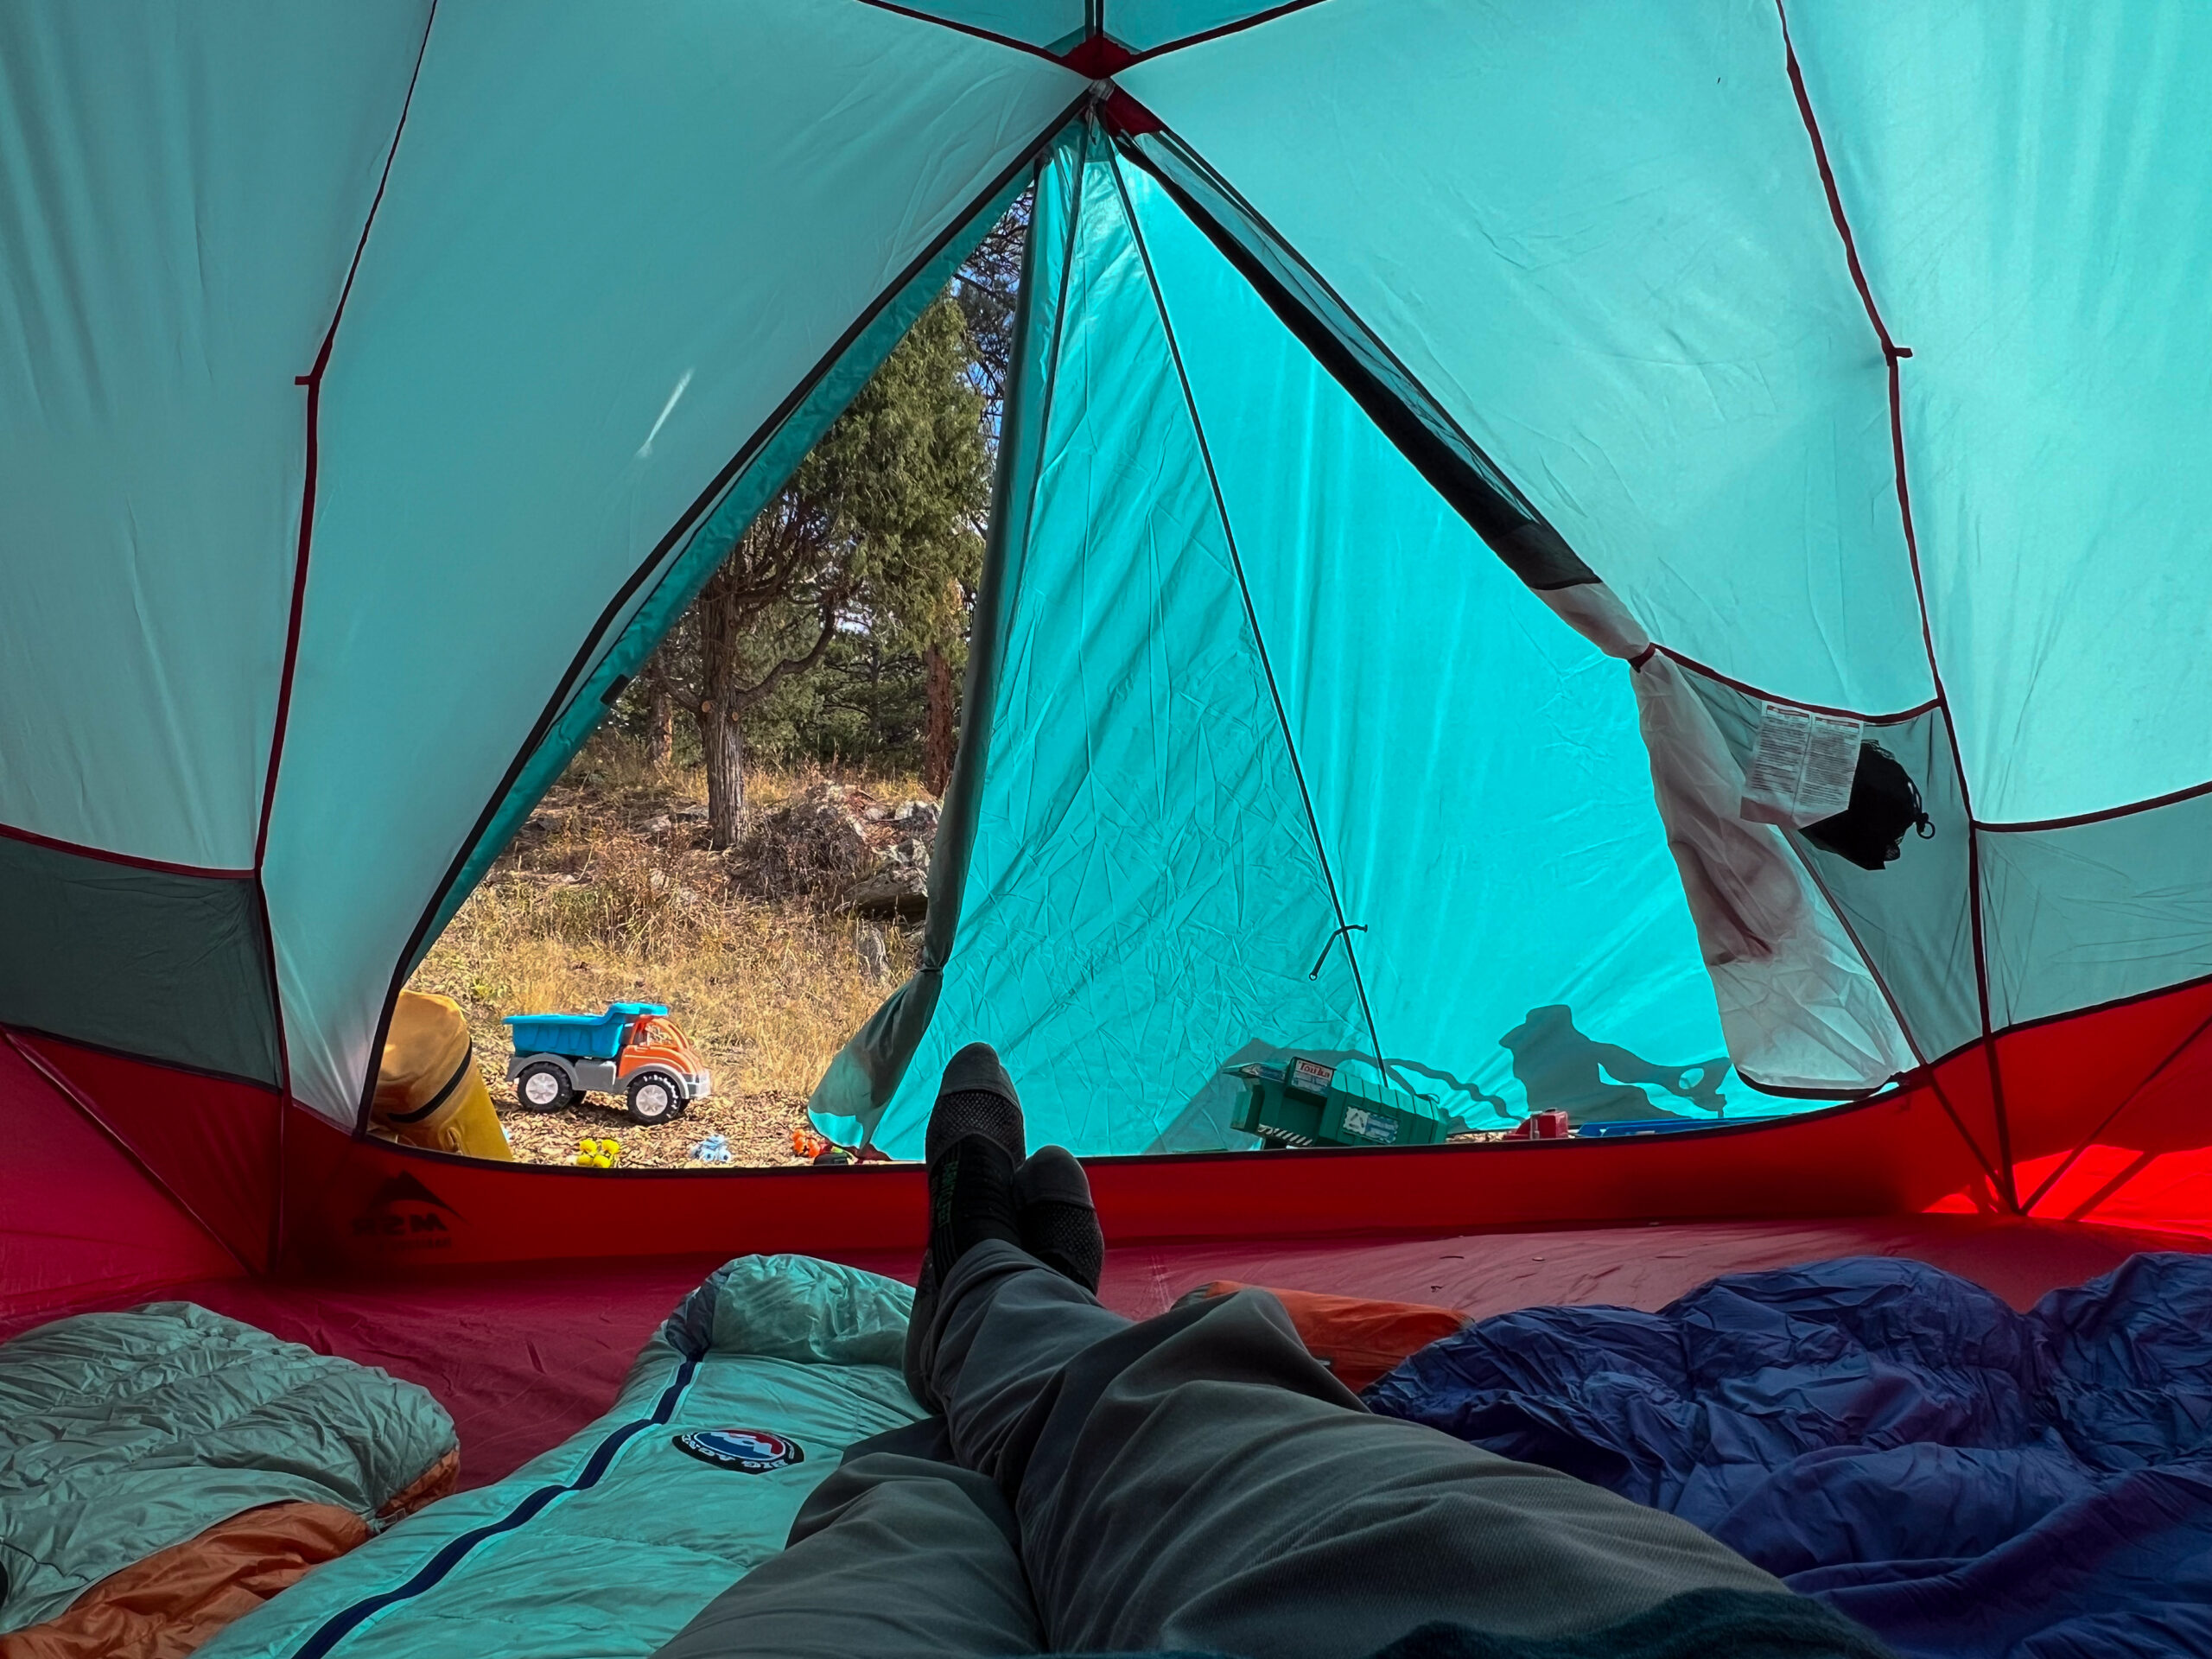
(406, 1215)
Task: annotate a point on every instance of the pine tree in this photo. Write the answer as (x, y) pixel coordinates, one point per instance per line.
(877, 533)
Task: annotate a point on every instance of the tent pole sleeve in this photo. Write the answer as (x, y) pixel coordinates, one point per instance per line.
(1893, 354)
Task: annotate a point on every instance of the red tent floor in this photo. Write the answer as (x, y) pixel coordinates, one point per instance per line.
(524, 1356)
(518, 1294)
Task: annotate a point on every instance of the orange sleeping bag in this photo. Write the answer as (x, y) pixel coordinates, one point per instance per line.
(1357, 1338)
(164, 1606)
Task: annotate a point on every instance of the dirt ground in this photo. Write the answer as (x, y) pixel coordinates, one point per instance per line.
(758, 1128)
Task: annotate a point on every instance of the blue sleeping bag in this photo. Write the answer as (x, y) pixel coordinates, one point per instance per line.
(1961, 1478)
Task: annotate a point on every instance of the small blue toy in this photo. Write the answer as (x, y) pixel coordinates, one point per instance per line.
(712, 1150)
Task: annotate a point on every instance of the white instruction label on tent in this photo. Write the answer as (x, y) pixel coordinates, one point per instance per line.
(1801, 766)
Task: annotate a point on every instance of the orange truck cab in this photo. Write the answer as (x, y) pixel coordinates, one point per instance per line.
(633, 1050)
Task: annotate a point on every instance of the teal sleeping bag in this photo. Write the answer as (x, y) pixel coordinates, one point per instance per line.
(739, 1405)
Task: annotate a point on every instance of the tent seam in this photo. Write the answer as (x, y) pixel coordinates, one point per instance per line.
(52, 843)
(61, 1086)
(1236, 25)
(1343, 366)
(969, 29)
(2103, 815)
(2113, 1116)
(1251, 615)
(1685, 660)
(186, 1067)
(313, 381)
(971, 760)
(1893, 354)
(1897, 1013)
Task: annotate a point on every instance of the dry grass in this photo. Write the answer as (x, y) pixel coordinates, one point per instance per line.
(611, 893)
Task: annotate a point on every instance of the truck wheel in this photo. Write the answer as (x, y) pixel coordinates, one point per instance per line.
(545, 1088)
(655, 1098)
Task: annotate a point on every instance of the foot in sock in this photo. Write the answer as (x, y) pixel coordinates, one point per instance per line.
(1058, 1221)
(975, 1097)
(975, 1143)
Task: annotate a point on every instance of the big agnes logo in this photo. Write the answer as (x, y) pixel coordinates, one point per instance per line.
(406, 1215)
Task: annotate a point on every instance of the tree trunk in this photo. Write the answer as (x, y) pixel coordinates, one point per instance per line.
(724, 741)
(722, 623)
(876, 691)
(660, 726)
(937, 746)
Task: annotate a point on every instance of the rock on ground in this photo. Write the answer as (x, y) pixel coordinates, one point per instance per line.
(835, 842)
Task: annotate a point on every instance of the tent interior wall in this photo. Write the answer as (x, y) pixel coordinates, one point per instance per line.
(1436, 435)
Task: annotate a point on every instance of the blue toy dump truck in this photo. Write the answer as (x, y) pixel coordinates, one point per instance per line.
(633, 1050)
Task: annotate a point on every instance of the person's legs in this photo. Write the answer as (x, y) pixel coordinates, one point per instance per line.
(1197, 1482)
(902, 1551)
(1200, 1481)
(893, 1555)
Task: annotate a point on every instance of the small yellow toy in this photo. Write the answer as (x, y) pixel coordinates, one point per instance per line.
(597, 1155)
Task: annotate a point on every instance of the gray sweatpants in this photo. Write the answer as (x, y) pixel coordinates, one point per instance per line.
(1198, 1481)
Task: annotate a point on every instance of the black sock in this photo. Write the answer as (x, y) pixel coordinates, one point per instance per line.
(971, 1198)
(1059, 1223)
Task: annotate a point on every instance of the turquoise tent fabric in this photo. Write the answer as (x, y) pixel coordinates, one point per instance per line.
(2036, 248)
(1064, 25)
(1158, 846)
(763, 465)
(1146, 898)
(2090, 913)
(2043, 242)
(1148, 25)
(181, 188)
(1045, 23)
(179, 965)
(533, 175)
(376, 386)
(1508, 229)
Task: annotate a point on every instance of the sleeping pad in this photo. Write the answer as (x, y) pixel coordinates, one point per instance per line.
(1961, 1478)
(610, 1542)
(124, 1436)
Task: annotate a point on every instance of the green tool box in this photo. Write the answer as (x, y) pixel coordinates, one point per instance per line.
(1300, 1102)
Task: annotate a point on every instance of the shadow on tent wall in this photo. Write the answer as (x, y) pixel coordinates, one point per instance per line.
(2106, 1112)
